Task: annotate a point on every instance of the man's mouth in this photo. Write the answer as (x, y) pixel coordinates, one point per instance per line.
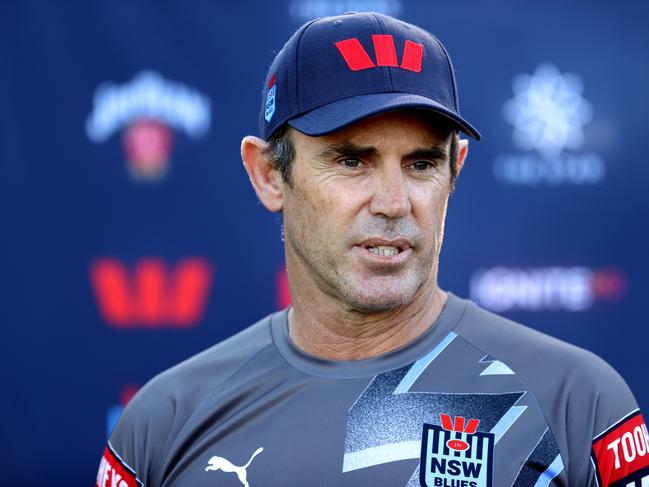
(384, 247)
(385, 250)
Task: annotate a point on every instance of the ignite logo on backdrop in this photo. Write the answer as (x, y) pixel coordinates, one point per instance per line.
(150, 294)
(147, 111)
(574, 289)
(548, 114)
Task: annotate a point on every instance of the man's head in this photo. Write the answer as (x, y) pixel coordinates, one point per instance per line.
(360, 154)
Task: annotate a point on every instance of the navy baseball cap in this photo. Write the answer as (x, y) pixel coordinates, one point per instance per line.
(335, 71)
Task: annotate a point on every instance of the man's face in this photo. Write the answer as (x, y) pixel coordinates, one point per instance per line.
(364, 218)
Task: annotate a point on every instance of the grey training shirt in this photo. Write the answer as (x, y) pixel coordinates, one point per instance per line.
(477, 400)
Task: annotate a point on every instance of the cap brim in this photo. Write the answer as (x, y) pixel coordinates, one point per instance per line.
(341, 113)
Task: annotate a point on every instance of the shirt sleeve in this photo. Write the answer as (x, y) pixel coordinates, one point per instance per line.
(619, 443)
(114, 470)
(132, 456)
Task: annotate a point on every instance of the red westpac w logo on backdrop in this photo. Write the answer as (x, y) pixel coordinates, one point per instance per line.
(151, 293)
(385, 53)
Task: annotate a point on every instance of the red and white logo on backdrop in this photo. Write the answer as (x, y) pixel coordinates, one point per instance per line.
(147, 110)
(148, 144)
(151, 293)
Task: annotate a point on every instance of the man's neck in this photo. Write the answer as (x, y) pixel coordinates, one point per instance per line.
(330, 331)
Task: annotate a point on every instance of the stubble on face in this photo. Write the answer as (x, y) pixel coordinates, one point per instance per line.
(330, 211)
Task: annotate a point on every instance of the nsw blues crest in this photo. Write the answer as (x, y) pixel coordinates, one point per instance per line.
(269, 106)
(455, 454)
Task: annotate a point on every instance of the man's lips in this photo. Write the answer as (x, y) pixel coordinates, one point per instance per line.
(384, 251)
(400, 243)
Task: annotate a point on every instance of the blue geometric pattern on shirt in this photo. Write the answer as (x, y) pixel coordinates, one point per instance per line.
(385, 423)
(542, 465)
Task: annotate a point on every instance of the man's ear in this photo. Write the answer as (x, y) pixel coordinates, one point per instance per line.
(265, 179)
(462, 152)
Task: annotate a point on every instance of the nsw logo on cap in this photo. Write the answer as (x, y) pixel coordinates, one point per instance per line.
(269, 110)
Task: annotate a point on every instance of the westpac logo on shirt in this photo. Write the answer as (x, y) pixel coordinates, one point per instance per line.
(455, 454)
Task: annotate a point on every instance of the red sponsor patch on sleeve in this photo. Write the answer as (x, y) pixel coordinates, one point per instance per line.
(113, 472)
(621, 453)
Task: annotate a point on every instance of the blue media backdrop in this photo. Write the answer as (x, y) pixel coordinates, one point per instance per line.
(131, 238)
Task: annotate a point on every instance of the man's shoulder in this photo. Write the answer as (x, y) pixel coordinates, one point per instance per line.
(175, 392)
(579, 394)
(213, 366)
(542, 362)
(151, 423)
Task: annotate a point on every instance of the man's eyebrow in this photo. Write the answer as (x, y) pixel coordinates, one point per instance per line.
(346, 149)
(435, 152)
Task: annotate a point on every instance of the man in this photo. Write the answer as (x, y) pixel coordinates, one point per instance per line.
(374, 375)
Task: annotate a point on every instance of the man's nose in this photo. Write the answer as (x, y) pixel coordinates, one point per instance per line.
(391, 196)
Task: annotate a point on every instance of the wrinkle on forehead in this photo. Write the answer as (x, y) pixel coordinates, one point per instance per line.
(410, 132)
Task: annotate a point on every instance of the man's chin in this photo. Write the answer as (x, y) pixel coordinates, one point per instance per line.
(372, 308)
(379, 302)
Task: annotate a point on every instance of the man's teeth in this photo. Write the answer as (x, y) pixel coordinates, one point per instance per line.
(384, 250)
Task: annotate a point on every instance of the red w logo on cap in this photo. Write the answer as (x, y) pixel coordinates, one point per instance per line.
(357, 57)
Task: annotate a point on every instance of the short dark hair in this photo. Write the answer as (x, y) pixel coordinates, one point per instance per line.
(281, 151)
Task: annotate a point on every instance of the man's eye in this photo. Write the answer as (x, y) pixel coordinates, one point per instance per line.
(422, 165)
(351, 163)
